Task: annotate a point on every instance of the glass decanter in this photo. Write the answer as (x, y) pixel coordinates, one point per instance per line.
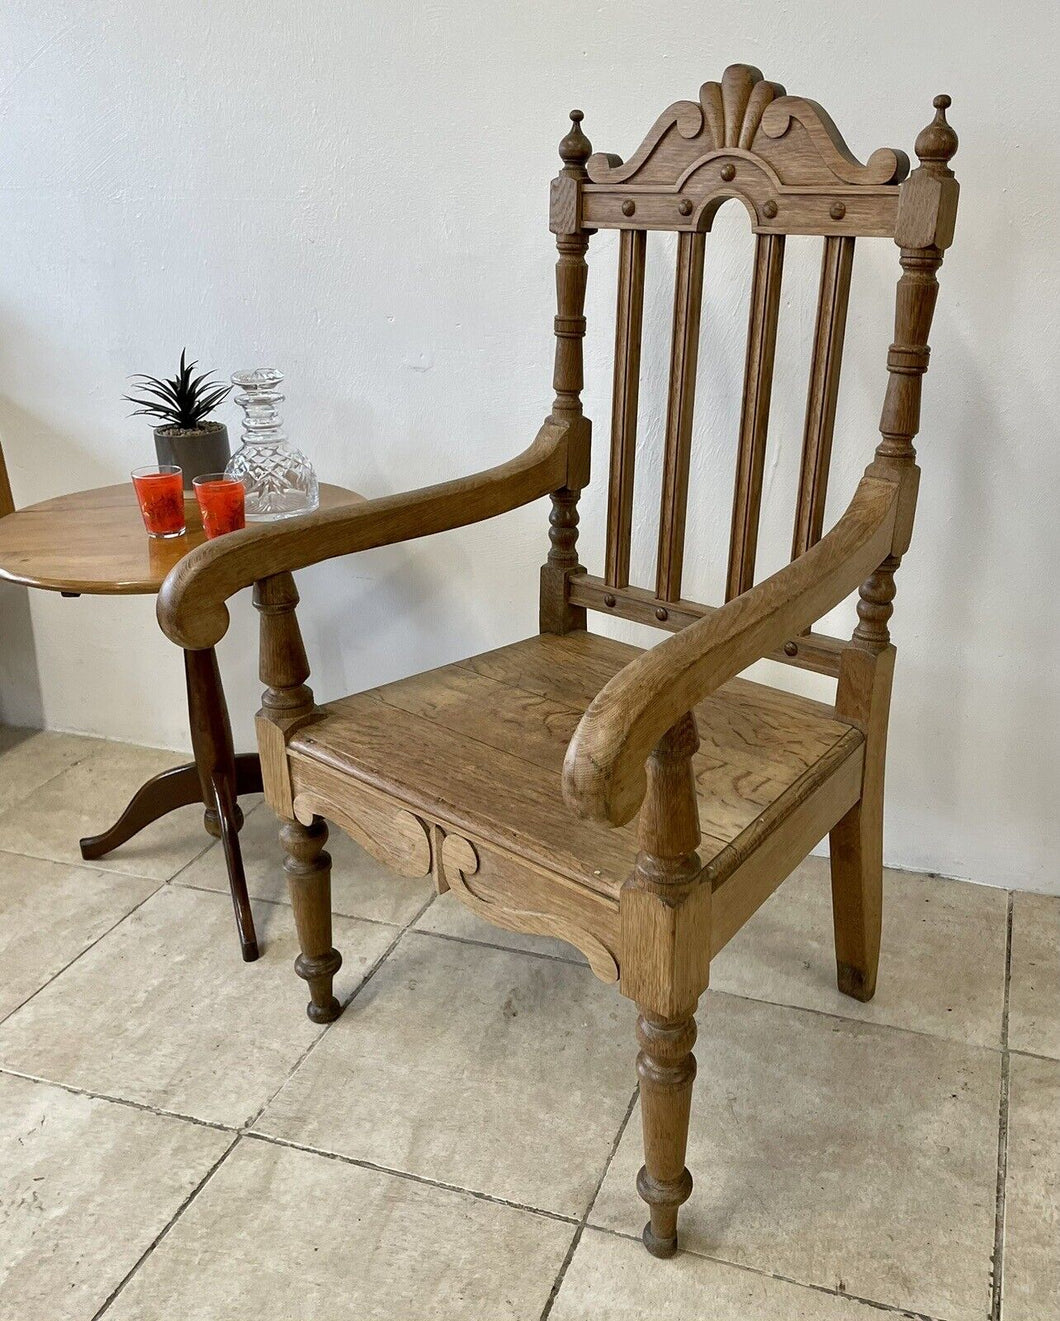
(279, 479)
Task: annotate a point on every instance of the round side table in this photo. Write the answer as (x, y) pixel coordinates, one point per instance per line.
(93, 543)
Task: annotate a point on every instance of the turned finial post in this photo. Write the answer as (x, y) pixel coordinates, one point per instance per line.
(927, 209)
(572, 241)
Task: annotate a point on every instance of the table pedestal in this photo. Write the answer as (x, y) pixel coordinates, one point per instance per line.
(216, 778)
(93, 542)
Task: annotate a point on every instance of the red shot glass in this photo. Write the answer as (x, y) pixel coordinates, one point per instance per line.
(221, 503)
(160, 492)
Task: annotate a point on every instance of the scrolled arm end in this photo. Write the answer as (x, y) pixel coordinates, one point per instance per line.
(193, 629)
(599, 781)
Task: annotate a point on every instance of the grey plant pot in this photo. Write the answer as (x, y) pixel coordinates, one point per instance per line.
(195, 451)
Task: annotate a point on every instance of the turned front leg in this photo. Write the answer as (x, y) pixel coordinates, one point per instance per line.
(308, 869)
(665, 917)
(666, 1068)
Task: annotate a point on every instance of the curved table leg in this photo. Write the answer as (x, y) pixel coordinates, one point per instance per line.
(216, 779)
(220, 775)
(163, 793)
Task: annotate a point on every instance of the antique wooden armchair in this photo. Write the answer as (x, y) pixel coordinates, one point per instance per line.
(513, 776)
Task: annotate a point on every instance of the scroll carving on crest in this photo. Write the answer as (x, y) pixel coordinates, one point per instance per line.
(745, 114)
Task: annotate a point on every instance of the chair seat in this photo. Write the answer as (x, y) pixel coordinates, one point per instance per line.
(478, 746)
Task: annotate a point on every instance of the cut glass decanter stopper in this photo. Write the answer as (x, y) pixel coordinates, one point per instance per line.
(279, 479)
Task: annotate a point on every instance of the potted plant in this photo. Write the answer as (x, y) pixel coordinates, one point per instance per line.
(185, 436)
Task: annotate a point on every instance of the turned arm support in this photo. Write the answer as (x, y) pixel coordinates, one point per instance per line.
(604, 771)
(191, 604)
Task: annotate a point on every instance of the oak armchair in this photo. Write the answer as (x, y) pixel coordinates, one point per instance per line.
(513, 777)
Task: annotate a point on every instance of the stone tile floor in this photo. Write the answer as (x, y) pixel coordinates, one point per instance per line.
(177, 1140)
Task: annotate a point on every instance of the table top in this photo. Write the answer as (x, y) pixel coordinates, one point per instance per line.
(93, 542)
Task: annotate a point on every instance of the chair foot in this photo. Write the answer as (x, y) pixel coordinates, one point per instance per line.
(856, 847)
(666, 1068)
(658, 1247)
(308, 870)
(318, 974)
(855, 982)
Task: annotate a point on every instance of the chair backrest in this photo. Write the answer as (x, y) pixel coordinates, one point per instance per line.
(7, 503)
(784, 159)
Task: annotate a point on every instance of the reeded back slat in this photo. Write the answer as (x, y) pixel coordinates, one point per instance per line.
(630, 315)
(684, 355)
(825, 365)
(754, 415)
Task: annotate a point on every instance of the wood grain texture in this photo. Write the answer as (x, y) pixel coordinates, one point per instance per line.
(396, 838)
(856, 842)
(782, 156)
(508, 892)
(93, 542)
(825, 364)
(684, 355)
(625, 395)
(745, 876)
(604, 771)
(478, 747)
(308, 870)
(459, 770)
(809, 651)
(191, 603)
(754, 412)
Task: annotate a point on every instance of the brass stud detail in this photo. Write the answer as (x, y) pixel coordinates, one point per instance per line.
(685, 206)
(661, 614)
(837, 210)
(609, 600)
(769, 210)
(628, 206)
(791, 648)
(728, 172)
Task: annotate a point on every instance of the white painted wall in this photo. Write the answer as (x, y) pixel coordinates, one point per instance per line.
(357, 193)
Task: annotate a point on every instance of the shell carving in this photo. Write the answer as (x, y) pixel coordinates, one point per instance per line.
(733, 108)
(744, 113)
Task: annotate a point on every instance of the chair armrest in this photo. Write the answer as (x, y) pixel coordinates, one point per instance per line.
(191, 602)
(604, 771)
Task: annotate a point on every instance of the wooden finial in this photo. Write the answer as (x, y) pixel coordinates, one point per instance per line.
(575, 149)
(937, 143)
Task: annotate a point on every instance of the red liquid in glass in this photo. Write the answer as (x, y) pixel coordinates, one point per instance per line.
(222, 506)
(161, 497)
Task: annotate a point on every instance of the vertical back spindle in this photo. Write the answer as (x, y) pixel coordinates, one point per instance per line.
(628, 323)
(684, 354)
(825, 365)
(754, 419)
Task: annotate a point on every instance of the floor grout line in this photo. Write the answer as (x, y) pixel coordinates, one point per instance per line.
(557, 1283)
(400, 931)
(362, 1164)
(506, 949)
(579, 1224)
(1002, 1134)
(81, 953)
(168, 1226)
(286, 903)
(892, 1308)
(160, 1111)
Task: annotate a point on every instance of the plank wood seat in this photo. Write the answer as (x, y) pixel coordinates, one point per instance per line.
(640, 804)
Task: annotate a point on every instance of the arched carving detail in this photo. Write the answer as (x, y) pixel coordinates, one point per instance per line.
(745, 113)
(460, 860)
